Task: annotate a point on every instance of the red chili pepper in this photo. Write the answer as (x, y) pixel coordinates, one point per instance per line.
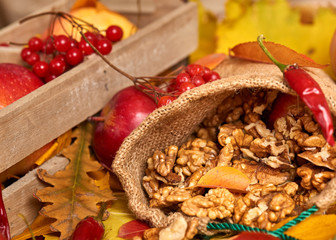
(90, 228)
(4, 225)
(309, 91)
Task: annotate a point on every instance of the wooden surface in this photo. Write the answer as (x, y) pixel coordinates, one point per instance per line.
(56, 107)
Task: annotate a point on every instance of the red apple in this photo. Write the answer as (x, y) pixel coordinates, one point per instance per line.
(280, 108)
(15, 82)
(123, 113)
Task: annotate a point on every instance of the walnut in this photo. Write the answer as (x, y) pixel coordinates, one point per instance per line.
(272, 152)
(150, 184)
(209, 133)
(164, 162)
(195, 177)
(152, 234)
(324, 157)
(168, 196)
(194, 154)
(302, 198)
(192, 229)
(263, 174)
(314, 177)
(216, 204)
(264, 206)
(175, 231)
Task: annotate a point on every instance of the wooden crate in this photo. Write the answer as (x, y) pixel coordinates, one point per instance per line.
(164, 38)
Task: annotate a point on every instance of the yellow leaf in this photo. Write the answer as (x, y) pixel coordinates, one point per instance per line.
(73, 195)
(279, 23)
(207, 24)
(119, 215)
(225, 177)
(320, 227)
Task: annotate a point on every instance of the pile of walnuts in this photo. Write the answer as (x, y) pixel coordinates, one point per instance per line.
(287, 163)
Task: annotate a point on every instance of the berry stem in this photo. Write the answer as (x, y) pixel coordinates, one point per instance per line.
(269, 55)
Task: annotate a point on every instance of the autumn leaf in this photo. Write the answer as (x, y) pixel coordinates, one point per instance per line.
(320, 227)
(40, 226)
(119, 214)
(212, 60)
(253, 52)
(280, 23)
(254, 236)
(73, 195)
(225, 177)
(132, 229)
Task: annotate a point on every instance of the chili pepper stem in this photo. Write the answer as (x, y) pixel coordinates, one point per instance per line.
(269, 55)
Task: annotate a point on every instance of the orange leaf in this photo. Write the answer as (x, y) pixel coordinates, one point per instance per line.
(255, 236)
(225, 177)
(84, 3)
(211, 61)
(252, 51)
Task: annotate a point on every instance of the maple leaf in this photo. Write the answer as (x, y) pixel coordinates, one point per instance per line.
(73, 195)
(280, 23)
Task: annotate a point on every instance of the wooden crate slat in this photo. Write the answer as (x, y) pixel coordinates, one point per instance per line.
(49, 111)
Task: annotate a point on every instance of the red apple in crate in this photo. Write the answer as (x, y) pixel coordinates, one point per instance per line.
(15, 82)
(123, 113)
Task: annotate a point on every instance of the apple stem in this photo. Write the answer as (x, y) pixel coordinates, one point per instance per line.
(96, 119)
(269, 55)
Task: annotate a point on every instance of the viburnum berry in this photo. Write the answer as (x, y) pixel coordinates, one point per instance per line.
(57, 66)
(182, 78)
(35, 44)
(62, 43)
(48, 46)
(41, 69)
(25, 53)
(93, 38)
(104, 46)
(195, 70)
(114, 33)
(73, 43)
(164, 100)
(185, 87)
(85, 47)
(49, 78)
(74, 56)
(197, 80)
(32, 58)
(210, 77)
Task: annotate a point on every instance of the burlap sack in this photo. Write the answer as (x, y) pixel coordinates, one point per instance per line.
(172, 124)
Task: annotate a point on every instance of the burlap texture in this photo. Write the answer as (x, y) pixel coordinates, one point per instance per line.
(172, 124)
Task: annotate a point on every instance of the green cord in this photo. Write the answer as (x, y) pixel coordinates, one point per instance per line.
(277, 233)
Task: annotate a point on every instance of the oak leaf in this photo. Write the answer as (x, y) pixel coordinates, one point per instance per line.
(253, 52)
(225, 177)
(73, 195)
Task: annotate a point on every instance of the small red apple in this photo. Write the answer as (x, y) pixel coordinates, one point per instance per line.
(280, 107)
(123, 113)
(15, 82)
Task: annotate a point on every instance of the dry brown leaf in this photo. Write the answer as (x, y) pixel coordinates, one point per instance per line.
(225, 177)
(73, 195)
(253, 52)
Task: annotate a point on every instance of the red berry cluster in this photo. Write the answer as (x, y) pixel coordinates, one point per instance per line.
(193, 76)
(53, 56)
